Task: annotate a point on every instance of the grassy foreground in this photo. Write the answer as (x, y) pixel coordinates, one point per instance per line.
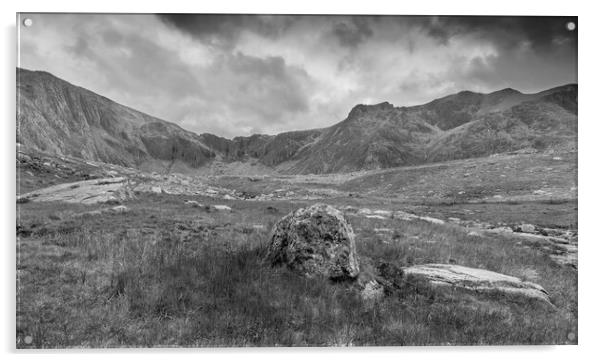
(164, 274)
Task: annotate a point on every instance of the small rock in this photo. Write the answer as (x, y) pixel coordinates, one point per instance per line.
(156, 189)
(193, 203)
(119, 209)
(527, 228)
(557, 158)
(271, 209)
(222, 208)
(382, 213)
(372, 291)
(228, 197)
(432, 220)
(380, 217)
(502, 229)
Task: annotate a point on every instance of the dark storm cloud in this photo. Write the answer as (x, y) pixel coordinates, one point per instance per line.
(354, 33)
(240, 74)
(227, 27)
(542, 32)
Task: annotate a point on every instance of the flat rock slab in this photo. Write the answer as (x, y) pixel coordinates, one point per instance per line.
(85, 192)
(477, 280)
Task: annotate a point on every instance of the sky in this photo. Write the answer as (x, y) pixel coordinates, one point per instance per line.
(237, 75)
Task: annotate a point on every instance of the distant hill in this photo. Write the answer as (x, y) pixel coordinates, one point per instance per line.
(61, 118)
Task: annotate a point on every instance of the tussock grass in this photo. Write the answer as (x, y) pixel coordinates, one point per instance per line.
(164, 275)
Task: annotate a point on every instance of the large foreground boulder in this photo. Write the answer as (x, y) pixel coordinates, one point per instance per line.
(316, 240)
(477, 280)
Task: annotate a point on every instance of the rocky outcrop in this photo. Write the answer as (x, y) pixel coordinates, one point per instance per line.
(107, 190)
(315, 241)
(476, 280)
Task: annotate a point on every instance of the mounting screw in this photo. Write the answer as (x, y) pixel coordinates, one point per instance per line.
(570, 26)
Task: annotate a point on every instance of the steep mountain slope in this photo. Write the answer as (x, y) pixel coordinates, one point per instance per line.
(58, 117)
(371, 137)
(546, 122)
(462, 125)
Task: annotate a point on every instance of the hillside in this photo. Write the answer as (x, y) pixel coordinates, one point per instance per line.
(55, 116)
(58, 117)
(462, 125)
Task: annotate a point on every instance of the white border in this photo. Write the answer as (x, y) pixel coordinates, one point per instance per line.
(590, 130)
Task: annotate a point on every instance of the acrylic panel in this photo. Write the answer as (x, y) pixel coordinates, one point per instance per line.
(225, 180)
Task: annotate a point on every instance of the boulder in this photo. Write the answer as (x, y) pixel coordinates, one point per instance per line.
(480, 280)
(316, 240)
(156, 189)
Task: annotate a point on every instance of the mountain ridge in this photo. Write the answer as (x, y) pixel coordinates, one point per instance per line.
(59, 117)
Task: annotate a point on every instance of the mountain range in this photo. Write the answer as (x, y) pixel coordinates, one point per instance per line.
(57, 117)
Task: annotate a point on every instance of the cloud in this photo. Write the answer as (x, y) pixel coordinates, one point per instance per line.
(224, 29)
(352, 33)
(506, 31)
(240, 74)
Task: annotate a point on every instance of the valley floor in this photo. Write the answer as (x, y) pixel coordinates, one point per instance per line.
(166, 265)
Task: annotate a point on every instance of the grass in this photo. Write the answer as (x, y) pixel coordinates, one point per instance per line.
(164, 274)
